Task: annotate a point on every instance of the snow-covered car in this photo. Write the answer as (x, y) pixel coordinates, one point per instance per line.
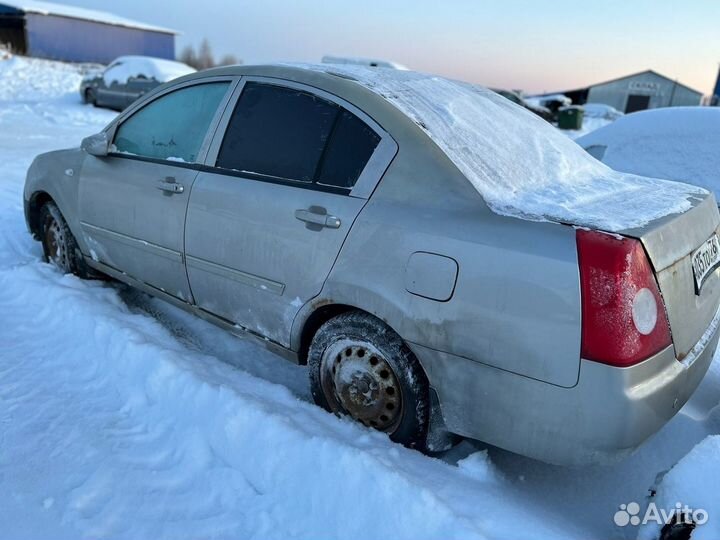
(602, 111)
(443, 260)
(127, 78)
(368, 62)
(680, 143)
(552, 102)
(542, 112)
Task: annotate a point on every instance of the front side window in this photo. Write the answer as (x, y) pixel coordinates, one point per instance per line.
(291, 134)
(173, 127)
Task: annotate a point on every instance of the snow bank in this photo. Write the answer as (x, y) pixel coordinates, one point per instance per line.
(29, 79)
(693, 482)
(518, 162)
(680, 143)
(125, 67)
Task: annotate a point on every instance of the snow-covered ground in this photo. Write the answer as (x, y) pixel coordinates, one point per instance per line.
(123, 417)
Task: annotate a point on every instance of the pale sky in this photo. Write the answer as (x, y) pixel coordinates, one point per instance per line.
(522, 44)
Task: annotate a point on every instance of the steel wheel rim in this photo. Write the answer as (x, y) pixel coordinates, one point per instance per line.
(55, 244)
(358, 381)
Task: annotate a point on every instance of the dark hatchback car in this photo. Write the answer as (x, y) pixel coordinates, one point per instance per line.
(127, 78)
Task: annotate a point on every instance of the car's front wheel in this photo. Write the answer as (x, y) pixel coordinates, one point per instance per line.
(90, 97)
(360, 368)
(59, 245)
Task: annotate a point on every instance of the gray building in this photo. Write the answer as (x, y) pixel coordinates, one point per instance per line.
(60, 32)
(636, 92)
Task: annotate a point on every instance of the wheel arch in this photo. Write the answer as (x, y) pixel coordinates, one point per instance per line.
(317, 314)
(321, 312)
(37, 200)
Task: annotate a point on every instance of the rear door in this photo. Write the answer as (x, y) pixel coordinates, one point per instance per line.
(288, 173)
(132, 203)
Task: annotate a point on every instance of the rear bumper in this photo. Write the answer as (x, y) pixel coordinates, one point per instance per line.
(610, 412)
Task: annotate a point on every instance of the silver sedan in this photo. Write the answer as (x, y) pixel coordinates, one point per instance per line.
(445, 262)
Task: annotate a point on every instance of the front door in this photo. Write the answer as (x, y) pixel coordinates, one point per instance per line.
(265, 225)
(637, 102)
(133, 201)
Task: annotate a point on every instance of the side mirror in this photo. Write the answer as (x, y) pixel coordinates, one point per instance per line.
(96, 145)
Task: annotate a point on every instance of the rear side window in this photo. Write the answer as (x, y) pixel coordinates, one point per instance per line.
(278, 132)
(295, 135)
(348, 151)
(173, 126)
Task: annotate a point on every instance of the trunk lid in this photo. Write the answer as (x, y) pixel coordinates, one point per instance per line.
(670, 242)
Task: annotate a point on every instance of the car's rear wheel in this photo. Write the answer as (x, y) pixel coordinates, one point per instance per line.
(59, 245)
(360, 368)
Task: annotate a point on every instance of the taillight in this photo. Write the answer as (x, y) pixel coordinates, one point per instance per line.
(623, 314)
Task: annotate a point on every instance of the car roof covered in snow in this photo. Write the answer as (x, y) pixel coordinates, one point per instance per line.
(521, 165)
(680, 143)
(73, 12)
(125, 67)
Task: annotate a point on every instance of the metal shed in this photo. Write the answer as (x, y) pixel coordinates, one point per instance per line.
(59, 32)
(645, 90)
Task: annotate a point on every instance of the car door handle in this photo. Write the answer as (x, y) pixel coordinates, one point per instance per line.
(324, 220)
(169, 185)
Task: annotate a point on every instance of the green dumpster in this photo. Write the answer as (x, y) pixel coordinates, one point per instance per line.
(570, 118)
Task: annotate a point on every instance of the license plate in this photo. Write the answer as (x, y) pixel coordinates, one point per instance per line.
(705, 259)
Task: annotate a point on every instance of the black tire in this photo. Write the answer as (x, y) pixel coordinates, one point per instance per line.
(59, 245)
(90, 97)
(352, 333)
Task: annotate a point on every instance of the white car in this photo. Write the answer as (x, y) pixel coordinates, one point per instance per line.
(127, 78)
(367, 62)
(600, 110)
(678, 143)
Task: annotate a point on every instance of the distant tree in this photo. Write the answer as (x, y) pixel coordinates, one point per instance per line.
(229, 60)
(189, 56)
(205, 56)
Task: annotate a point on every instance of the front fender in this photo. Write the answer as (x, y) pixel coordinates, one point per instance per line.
(55, 175)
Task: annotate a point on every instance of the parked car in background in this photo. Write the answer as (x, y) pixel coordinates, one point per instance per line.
(601, 111)
(127, 78)
(441, 259)
(553, 102)
(368, 62)
(542, 112)
(680, 143)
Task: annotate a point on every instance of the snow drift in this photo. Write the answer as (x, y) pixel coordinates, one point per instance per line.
(693, 482)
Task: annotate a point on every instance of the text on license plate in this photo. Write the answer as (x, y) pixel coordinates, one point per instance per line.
(705, 259)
